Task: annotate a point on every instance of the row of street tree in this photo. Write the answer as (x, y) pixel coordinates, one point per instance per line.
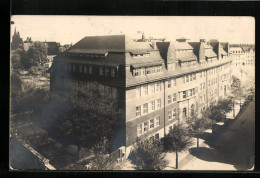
(150, 154)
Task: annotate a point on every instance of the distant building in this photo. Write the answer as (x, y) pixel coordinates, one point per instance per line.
(27, 43)
(156, 83)
(249, 55)
(53, 50)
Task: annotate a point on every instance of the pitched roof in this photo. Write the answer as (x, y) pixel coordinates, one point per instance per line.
(247, 48)
(182, 45)
(210, 53)
(113, 43)
(222, 51)
(185, 56)
(207, 46)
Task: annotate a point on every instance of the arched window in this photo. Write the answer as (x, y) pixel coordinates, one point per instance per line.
(184, 113)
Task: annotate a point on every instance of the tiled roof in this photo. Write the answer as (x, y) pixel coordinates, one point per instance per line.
(133, 81)
(210, 53)
(88, 51)
(186, 56)
(147, 64)
(206, 46)
(247, 48)
(182, 45)
(115, 43)
(222, 51)
(154, 58)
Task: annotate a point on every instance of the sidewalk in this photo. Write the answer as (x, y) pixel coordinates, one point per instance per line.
(186, 157)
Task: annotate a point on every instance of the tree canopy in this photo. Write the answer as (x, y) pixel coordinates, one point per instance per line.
(36, 55)
(177, 140)
(88, 117)
(148, 155)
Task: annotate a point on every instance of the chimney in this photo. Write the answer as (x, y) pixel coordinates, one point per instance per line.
(143, 37)
(202, 40)
(154, 45)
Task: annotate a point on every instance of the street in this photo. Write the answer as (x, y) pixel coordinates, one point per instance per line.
(231, 150)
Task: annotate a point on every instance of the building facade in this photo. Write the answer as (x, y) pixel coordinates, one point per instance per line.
(156, 83)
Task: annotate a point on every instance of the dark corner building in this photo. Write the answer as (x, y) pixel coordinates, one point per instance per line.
(156, 82)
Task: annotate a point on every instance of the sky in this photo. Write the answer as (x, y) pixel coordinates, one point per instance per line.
(70, 29)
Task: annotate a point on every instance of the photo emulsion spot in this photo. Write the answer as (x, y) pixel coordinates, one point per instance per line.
(132, 93)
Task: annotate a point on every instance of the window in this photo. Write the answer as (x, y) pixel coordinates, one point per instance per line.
(152, 123)
(146, 127)
(174, 97)
(169, 99)
(139, 129)
(174, 112)
(138, 91)
(148, 70)
(158, 86)
(100, 71)
(137, 72)
(90, 69)
(201, 86)
(157, 136)
(80, 68)
(153, 69)
(74, 68)
(169, 83)
(145, 108)
(170, 114)
(142, 71)
(106, 71)
(145, 89)
(138, 110)
(187, 78)
(204, 85)
(174, 82)
(157, 121)
(200, 99)
(194, 76)
(190, 92)
(193, 91)
(85, 69)
(113, 72)
(158, 69)
(190, 77)
(152, 88)
(201, 75)
(184, 94)
(158, 103)
(152, 105)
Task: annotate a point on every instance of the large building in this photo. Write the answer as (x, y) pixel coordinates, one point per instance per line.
(242, 55)
(155, 82)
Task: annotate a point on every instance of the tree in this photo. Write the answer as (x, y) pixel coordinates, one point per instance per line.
(36, 55)
(177, 140)
(217, 111)
(102, 160)
(148, 155)
(17, 42)
(197, 125)
(88, 117)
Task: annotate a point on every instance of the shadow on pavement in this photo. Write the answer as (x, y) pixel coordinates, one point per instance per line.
(214, 155)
